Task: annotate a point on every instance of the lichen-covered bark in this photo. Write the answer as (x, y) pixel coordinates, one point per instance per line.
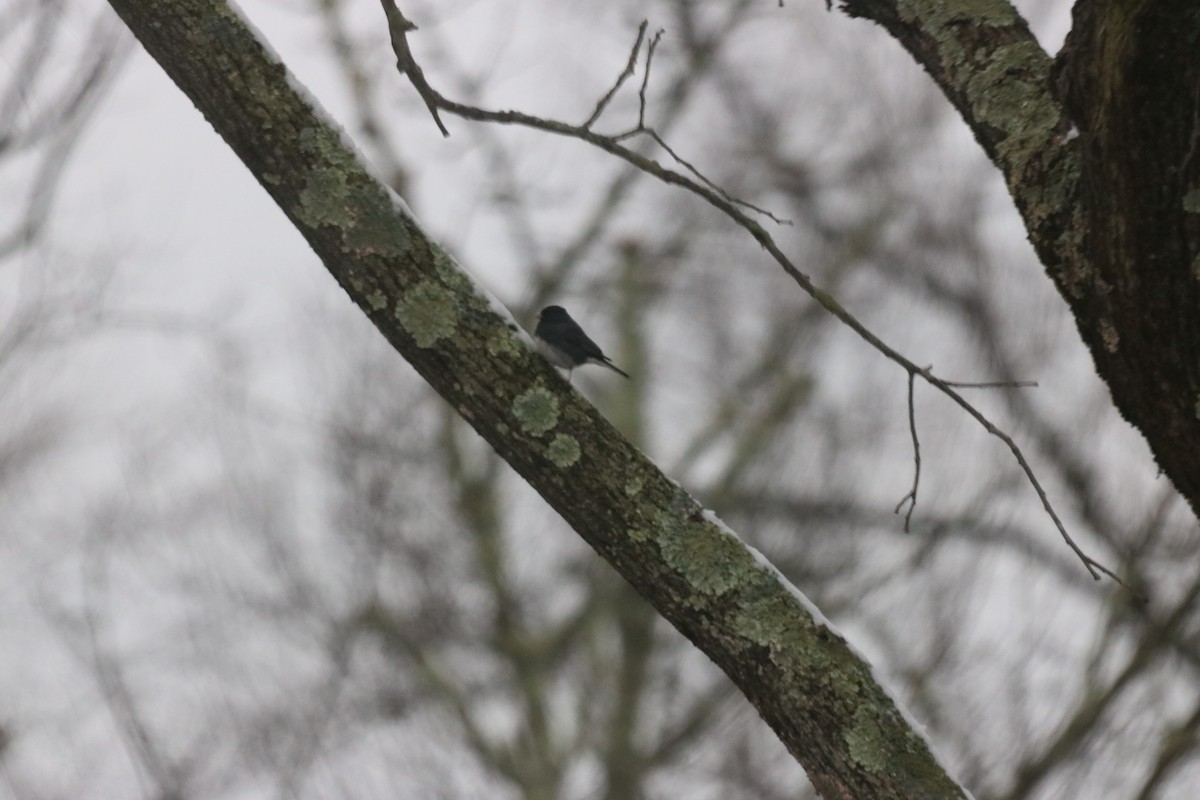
(1101, 153)
(810, 687)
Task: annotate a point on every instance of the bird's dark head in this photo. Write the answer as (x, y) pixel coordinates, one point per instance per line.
(553, 314)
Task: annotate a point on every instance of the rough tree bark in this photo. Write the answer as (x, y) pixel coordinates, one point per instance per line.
(1100, 149)
(816, 693)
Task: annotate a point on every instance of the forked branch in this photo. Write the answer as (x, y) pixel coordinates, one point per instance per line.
(736, 210)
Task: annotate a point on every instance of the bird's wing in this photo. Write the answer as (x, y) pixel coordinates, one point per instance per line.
(577, 338)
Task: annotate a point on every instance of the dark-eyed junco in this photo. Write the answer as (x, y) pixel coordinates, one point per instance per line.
(565, 345)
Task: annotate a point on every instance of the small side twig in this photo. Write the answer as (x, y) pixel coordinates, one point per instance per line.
(1094, 567)
(911, 497)
(992, 384)
(625, 75)
(643, 129)
(398, 29)
(927, 372)
(650, 48)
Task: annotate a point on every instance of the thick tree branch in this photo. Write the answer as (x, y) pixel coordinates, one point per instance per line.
(1101, 153)
(808, 684)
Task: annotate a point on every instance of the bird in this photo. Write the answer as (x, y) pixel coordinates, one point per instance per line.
(565, 345)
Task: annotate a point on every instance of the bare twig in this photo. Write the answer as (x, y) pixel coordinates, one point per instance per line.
(732, 209)
(398, 28)
(993, 384)
(643, 129)
(699, 176)
(650, 48)
(911, 497)
(1094, 567)
(625, 75)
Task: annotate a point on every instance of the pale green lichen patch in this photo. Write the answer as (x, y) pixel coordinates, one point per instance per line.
(1191, 202)
(376, 228)
(377, 300)
(323, 198)
(865, 740)
(940, 14)
(633, 486)
(502, 343)
(428, 312)
(712, 563)
(769, 621)
(536, 410)
(563, 451)
(449, 272)
(1006, 96)
(1005, 84)
(639, 535)
(338, 192)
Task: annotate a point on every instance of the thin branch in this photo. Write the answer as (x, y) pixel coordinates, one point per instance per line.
(650, 48)
(1095, 568)
(653, 134)
(643, 129)
(993, 384)
(911, 497)
(730, 208)
(398, 28)
(625, 75)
